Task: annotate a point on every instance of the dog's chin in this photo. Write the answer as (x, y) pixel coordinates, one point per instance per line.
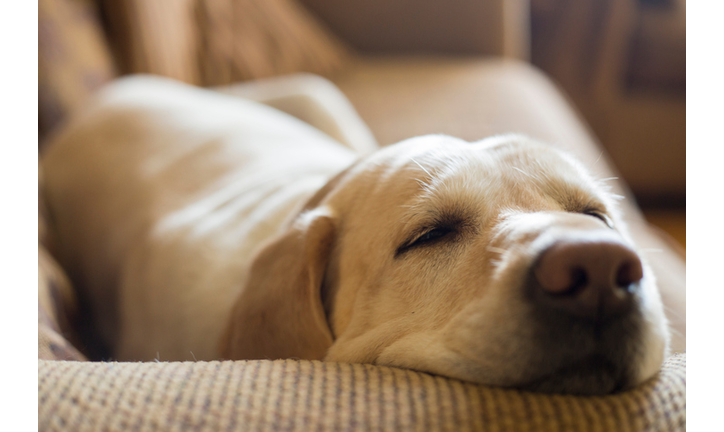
(559, 356)
(601, 370)
(592, 375)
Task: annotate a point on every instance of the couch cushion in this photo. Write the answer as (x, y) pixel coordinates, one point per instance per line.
(320, 396)
(467, 98)
(57, 306)
(56, 310)
(216, 42)
(658, 48)
(73, 58)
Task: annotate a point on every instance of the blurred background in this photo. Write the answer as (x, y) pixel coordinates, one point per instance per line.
(621, 63)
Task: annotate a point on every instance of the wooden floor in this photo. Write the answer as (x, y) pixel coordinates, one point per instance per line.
(671, 221)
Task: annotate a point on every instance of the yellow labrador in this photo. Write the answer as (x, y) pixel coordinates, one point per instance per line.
(201, 226)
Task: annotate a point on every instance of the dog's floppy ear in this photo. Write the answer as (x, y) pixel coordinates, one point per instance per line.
(279, 313)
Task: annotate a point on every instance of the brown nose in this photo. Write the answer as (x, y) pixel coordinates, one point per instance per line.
(589, 278)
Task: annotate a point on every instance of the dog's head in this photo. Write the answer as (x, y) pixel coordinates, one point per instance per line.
(499, 262)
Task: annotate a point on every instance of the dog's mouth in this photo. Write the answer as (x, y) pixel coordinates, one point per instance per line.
(595, 374)
(586, 358)
(590, 354)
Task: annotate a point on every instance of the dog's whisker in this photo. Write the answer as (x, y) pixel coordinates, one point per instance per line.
(673, 311)
(529, 175)
(496, 250)
(600, 155)
(675, 332)
(496, 264)
(533, 176)
(421, 167)
(521, 171)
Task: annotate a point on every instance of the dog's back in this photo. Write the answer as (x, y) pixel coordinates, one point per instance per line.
(153, 164)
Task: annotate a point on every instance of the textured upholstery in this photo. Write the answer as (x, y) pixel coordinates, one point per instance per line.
(73, 59)
(56, 307)
(216, 42)
(57, 304)
(315, 396)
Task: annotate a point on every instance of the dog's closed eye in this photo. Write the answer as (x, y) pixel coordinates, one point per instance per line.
(599, 215)
(429, 237)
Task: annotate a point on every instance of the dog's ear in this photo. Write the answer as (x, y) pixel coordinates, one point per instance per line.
(279, 313)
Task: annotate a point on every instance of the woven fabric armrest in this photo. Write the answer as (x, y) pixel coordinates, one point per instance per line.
(321, 396)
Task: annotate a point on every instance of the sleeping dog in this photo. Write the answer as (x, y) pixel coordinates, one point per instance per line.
(202, 226)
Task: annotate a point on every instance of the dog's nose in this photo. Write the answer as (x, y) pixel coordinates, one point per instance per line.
(589, 278)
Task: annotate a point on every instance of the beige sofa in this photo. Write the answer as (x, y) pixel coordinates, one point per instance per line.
(396, 97)
(623, 62)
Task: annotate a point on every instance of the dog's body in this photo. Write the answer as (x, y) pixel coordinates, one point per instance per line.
(200, 229)
(140, 192)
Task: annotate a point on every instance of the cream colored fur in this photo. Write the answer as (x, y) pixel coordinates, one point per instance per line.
(200, 227)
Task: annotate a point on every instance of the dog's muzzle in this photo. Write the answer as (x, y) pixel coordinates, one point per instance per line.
(584, 292)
